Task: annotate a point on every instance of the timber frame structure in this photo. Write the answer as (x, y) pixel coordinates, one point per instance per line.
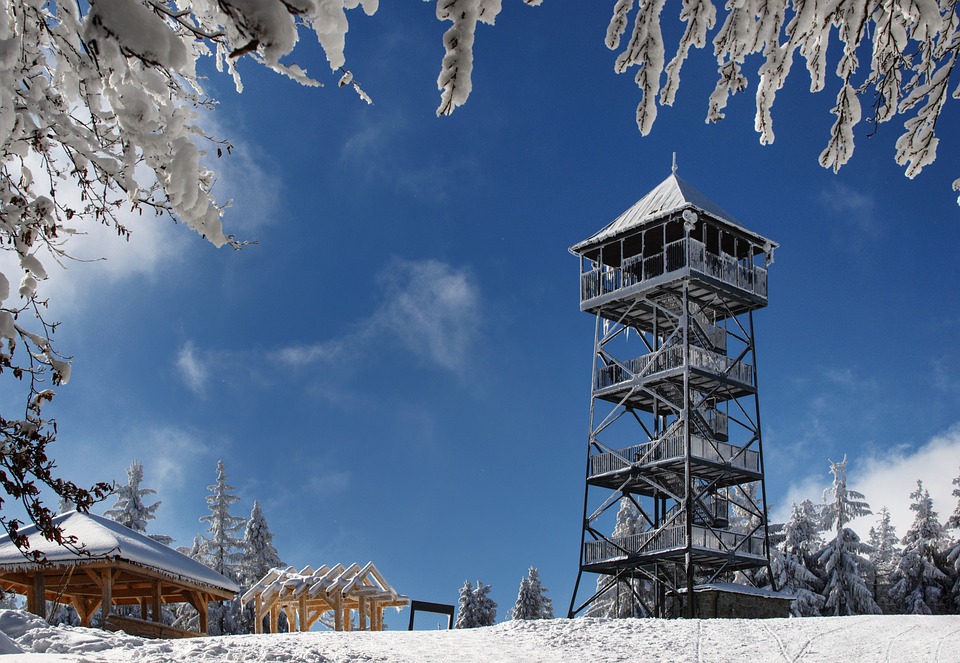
(307, 595)
(118, 567)
(674, 410)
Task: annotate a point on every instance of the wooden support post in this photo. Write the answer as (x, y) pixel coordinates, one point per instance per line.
(257, 614)
(346, 618)
(143, 608)
(361, 614)
(157, 601)
(36, 600)
(203, 608)
(304, 626)
(275, 618)
(106, 595)
(337, 616)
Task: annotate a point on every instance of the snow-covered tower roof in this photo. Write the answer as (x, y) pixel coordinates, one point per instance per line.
(672, 196)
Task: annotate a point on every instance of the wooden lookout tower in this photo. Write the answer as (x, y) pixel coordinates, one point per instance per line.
(674, 410)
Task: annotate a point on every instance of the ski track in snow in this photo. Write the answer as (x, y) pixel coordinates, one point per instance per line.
(942, 640)
(895, 639)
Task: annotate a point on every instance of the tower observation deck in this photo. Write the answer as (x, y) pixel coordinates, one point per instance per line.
(674, 439)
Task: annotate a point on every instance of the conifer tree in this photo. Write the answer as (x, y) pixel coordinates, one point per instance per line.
(486, 606)
(259, 555)
(221, 550)
(130, 509)
(885, 552)
(532, 600)
(475, 607)
(467, 607)
(953, 553)
(794, 572)
(917, 581)
(841, 559)
(257, 558)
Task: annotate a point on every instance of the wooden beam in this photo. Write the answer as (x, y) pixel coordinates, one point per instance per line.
(36, 599)
(275, 618)
(106, 597)
(157, 599)
(204, 611)
(257, 614)
(304, 626)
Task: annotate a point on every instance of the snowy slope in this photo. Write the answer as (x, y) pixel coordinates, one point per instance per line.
(864, 639)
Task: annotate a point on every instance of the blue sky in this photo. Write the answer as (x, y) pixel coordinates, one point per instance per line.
(399, 371)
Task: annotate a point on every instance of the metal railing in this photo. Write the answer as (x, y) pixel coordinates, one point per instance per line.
(667, 358)
(671, 538)
(671, 447)
(677, 255)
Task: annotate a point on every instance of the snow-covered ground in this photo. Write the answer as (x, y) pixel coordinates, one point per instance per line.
(897, 638)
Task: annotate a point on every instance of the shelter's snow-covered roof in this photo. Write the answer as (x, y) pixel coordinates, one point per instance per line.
(104, 538)
(736, 588)
(670, 195)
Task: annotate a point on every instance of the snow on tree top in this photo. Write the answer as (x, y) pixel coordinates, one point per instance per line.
(671, 195)
(104, 538)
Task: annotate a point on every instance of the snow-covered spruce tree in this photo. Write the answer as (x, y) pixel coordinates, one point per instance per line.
(884, 555)
(475, 608)
(842, 560)
(918, 582)
(221, 550)
(467, 607)
(794, 571)
(532, 600)
(953, 551)
(486, 606)
(910, 55)
(130, 510)
(258, 556)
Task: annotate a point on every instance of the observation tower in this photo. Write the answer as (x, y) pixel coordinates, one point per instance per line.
(674, 409)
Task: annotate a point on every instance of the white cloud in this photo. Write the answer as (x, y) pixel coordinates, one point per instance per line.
(854, 208)
(432, 308)
(193, 370)
(888, 477)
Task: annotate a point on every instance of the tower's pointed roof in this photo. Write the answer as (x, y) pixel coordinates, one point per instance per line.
(671, 195)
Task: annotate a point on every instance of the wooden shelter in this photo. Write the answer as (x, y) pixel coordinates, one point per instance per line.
(116, 566)
(306, 595)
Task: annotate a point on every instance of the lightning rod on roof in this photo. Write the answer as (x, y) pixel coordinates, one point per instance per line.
(673, 168)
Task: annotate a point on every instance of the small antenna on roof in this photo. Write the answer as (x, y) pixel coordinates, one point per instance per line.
(673, 168)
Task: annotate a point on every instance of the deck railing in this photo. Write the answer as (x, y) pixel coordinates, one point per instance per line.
(667, 358)
(671, 447)
(671, 538)
(677, 255)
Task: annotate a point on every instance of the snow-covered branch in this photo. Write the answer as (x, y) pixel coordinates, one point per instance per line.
(913, 46)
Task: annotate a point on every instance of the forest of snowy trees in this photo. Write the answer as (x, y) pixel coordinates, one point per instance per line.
(817, 558)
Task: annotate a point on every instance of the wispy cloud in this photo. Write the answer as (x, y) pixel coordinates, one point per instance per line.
(372, 151)
(431, 308)
(192, 369)
(853, 208)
